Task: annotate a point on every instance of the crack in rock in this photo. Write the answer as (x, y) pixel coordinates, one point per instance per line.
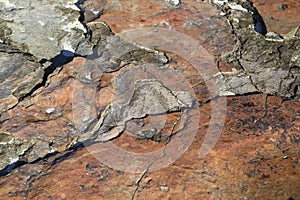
(21, 75)
(14, 150)
(150, 97)
(265, 62)
(18, 76)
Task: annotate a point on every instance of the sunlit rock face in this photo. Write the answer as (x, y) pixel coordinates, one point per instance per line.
(41, 28)
(72, 86)
(264, 62)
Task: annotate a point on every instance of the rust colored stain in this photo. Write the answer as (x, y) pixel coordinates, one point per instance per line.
(256, 157)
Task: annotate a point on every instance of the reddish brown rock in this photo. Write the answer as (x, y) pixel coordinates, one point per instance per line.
(280, 16)
(250, 160)
(197, 20)
(256, 156)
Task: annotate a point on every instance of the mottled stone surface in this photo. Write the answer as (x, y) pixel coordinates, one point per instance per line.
(156, 109)
(251, 160)
(280, 17)
(19, 74)
(56, 27)
(195, 19)
(263, 63)
(15, 150)
(161, 101)
(111, 52)
(78, 78)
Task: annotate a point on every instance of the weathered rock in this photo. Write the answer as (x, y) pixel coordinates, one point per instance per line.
(264, 64)
(199, 21)
(112, 53)
(280, 17)
(41, 28)
(15, 150)
(248, 158)
(92, 10)
(18, 76)
(111, 50)
(11, 149)
(256, 157)
(149, 97)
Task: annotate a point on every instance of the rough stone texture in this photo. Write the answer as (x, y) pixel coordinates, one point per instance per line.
(112, 53)
(280, 17)
(18, 76)
(56, 27)
(257, 154)
(47, 106)
(197, 20)
(251, 160)
(263, 63)
(15, 150)
(149, 97)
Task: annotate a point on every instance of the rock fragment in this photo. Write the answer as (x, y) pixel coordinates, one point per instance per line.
(41, 28)
(173, 2)
(266, 63)
(14, 150)
(18, 76)
(111, 52)
(149, 97)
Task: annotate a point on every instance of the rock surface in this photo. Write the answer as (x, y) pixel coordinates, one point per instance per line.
(19, 74)
(15, 150)
(280, 17)
(160, 122)
(262, 63)
(56, 27)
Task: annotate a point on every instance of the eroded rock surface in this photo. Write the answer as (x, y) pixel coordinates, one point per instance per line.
(19, 74)
(111, 54)
(149, 97)
(50, 133)
(14, 150)
(56, 27)
(266, 63)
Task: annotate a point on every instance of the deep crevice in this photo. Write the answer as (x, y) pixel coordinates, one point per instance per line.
(11, 167)
(259, 24)
(82, 18)
(63, 58)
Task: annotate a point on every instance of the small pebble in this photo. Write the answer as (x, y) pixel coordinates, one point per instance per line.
(173, 2)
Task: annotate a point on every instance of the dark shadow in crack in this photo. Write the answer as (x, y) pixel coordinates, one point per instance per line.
(63, 58)
(11, 167)
(259, 24)
(58, 159)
